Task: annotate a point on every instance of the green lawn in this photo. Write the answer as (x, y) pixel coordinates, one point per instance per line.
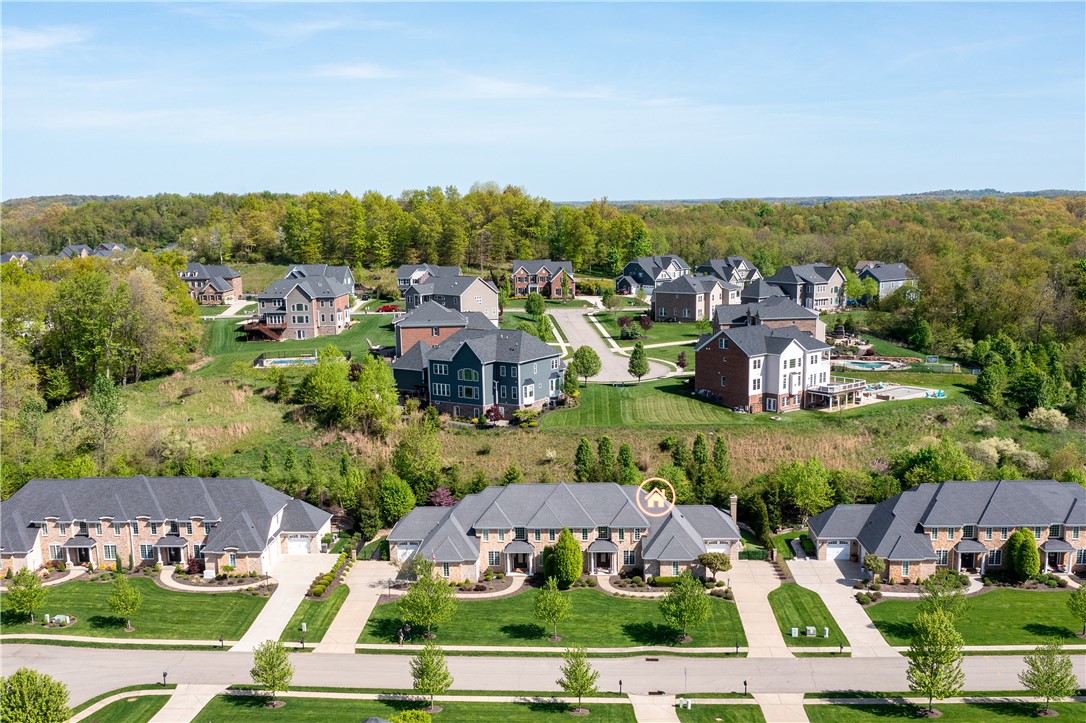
(165, 614)
(798, 607)
(248, 708)
(316, 614)
(727, 713)
(671, 354)
(598, 621)
(140, 710)
(783, 544)
(512, 319)
(213, 310)
(658, 334)
(998, 617)
(518, 304)
(952, 712)
(369, 547)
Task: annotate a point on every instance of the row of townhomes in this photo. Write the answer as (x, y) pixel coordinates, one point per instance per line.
(212, 285)
(81, 251)
(504, 529)
(311, 300)
(140, 521)
(467, 367)
(958, 525)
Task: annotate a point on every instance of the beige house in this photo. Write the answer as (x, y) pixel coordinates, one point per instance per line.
(460, 293)
(505, 529)
(140, 521)
(313, 300)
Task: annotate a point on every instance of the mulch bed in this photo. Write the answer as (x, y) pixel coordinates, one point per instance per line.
(494, 585)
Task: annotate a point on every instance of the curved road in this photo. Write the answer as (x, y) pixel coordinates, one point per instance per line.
(578, 331)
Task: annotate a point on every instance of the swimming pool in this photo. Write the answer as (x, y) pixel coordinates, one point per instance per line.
(869, 366)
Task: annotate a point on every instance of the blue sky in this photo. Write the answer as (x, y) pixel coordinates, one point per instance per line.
(573, 102)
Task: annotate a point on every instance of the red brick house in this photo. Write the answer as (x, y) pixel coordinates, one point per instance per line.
(433, 323)
(543, 276)
(212, 285)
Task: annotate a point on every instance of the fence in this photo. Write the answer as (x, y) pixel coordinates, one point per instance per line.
(753, 554)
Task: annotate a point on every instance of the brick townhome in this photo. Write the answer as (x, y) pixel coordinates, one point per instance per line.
(690, 298)
(433, 323)
(765, 369)
(958, 525)
(211, 285)
(156, 520)
(543, 276)
(505, 529)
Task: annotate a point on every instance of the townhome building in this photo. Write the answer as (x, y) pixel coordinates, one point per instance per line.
(958, 525)
(505, 529)
(212, 285)
(543, 276)
(761, 368)
(778, 312)
(312, 300)
(140, 521)
(733, 269)
(480, 372)
(409, 274)
(890, 277)
(692, 298)
(460, 293)
(433, 323)
(813, 286)
(647, 272)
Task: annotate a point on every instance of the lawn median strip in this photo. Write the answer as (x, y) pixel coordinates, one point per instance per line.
(117, 691)
(317, 616)
(797, 607)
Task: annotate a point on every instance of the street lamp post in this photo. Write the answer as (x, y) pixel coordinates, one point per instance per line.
(163, 678)
(744, 687)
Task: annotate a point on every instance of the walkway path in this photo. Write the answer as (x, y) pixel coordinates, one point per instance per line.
(295, 573)
(654, 708)
(833, 581)
(579, 332)
(752, 581)
(368, 580)
(165, 579)
(782, 707)
(186, 703)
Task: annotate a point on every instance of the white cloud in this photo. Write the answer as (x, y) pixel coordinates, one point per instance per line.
(30, 40)
(358, 71)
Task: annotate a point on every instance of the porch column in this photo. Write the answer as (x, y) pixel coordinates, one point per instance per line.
(530, 556)
(958, 559)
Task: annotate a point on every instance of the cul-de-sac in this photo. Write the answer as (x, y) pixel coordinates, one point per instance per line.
(711, 408)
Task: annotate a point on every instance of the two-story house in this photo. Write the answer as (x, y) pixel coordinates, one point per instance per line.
(759, 290)
(433, 323)
(312, 300)
(761, 368)
(18, 257)
(733, 269)
(409, 274)
(649, 271)
(778, 312)
(545, 277)
(691, 298)
(462, 293)
(505, 529)
(138, 521)
(477, 370)
(814, 286)
(211, 285)
(890, 277)
(958, 525)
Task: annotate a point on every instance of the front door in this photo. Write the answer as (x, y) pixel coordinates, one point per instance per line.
(173, 555)
(82, 555)
(603, 561)
(520, 562)
(1054, 560)
(968, 560)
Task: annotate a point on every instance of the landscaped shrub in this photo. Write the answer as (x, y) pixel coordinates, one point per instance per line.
(1050, 420)
(317, 590)
(500, 576)
(636, 580)
(863, 598)
(591, 582)
(480, 588)
(664, 581)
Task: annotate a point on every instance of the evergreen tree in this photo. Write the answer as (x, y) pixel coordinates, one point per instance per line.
(700, 451)
(639, 364)
(394, 497)
(512, 476)
(628, 472)
(568, 560)
(1022, 554)
(605, 460)
(583, 462)
(720, 458)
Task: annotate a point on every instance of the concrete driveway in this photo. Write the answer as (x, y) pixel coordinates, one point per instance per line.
(368, 580)
(294, 573)
(579, 332)
(752, 581)
(833, 580)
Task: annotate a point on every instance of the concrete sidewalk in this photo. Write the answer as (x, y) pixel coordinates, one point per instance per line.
(752, 581)
(186, 703)
(91, 710)
(295, 573)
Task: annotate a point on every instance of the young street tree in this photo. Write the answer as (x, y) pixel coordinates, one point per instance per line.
(578, 677)
(943, 591)
(26, 593)
(430, 672)
(586, 363)
(935, 657)
(125, 601)
(715, 562)
(27, 696)
(104, 411)
(567, 559)
(1049, 674)
(639, 364)
(272, 668)
(1076, 603)
(552, 607)
(685, 604)
(430, 601)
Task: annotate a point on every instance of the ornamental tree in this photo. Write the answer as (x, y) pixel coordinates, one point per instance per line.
(586, 363)
(715, 562)
(943, 591)
(551, 606)
(578, 677)
(27, 696)
(1049, 673)
(535, 304)
(430, 601)
(685, 604)
(430, 673)
(26, 593)
(639, 364)
(271, 667)
(125, 600)
(935, 657)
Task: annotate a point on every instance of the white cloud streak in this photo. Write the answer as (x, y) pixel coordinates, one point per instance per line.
(37, 40)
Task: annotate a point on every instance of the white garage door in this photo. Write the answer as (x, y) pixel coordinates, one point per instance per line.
(837, 550)
(406, 550)
(298, 545)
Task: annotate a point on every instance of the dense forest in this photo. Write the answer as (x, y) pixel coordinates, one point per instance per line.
(1014, 264)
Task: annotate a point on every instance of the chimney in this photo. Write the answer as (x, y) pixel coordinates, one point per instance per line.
(734, 504)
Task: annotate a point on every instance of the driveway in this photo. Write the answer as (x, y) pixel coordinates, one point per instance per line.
(368, 580)
(833, 580)
(752, 581)
(294, 573)
(579, 332)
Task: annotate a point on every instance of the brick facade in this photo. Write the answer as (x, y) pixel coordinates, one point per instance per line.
(409, 336)
(726, 374)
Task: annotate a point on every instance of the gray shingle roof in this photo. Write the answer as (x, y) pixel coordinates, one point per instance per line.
(888, 272)
(803, 273)
(299, 516)
(494, 345)
(653, 265)
(532, 266)
(431, 313)
(448, 286)
(775, 308)
(414, 358)
(693, 285)
(759, 290)
(407, 270)
(240, 506)
(758, 340)
(840, 521)
(730, 267)
(339, 274)
(316, 287)
(206, 272)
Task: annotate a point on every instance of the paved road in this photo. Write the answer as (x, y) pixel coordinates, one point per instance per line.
(639, 676)
(579, 332)
(294, 573)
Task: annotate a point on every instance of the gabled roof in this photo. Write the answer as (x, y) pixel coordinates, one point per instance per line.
(431, 313)
(317, 287)
(494, 345)
(449, 285)
(220, 284)
(694, 285)
(758, 340)
(888, 272)
(299, 516)
(653, 265)
(16, 256)
(75, 250)
(533, 266)
(803, 274)
(206, 272)
(759, 290)
(415, 358)
(775, 308)
(408, 270)
(339, 274)
(729, 268)
(840, 521)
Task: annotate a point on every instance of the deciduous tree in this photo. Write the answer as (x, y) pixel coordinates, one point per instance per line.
(578, 676)
(27, 696)
(1076, 604)
(685, 604)
(394, 498)
(715, 562)
(104, 411)
(125, 600)
(639, 364)
(1049, 673)
(586, 363)
(26, 593)
(429, 601)
(552, 606)
(935, 657)
(271, 667)
(535, 304)
(430, 673)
